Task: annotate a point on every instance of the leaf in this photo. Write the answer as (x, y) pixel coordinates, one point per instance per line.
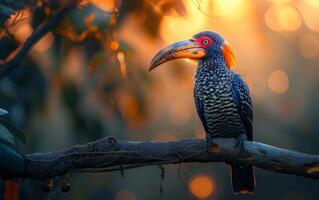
(3, 111)
(10, 159)
(6, 137)
(12, 129)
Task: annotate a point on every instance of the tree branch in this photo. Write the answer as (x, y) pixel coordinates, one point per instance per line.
(109, 154)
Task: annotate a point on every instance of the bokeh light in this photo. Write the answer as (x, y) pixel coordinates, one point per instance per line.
(114, 45)
(73, 65)
(234, 9)
(283, 18)
(125, 195)
(289, 19)
(22, 32)
(106, 5)
(310, 15)
(278, 81)
(45, 43)
(271, 19)
(121, 59)
(201, 186)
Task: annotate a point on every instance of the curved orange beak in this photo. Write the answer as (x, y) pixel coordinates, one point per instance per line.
(182, 49)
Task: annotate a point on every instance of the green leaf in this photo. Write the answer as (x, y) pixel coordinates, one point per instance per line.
(10, 159)
(6, 137)
(3, 111)
(12, 129)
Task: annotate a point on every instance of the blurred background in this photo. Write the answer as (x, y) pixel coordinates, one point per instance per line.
(88, 79)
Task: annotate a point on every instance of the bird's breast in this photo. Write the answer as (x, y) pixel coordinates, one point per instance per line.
(220, 110)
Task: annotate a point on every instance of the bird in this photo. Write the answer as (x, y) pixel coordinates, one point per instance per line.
(222, 98)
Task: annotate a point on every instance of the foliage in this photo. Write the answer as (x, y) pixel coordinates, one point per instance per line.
(10, 160)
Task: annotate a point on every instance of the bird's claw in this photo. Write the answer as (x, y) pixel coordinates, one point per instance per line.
(240, 143)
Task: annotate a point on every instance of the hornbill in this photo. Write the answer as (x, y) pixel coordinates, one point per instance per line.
(221, 96)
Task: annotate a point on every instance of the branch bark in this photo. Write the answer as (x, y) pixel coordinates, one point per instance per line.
(109, 154)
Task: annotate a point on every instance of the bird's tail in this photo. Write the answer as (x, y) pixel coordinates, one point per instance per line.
(243, 178)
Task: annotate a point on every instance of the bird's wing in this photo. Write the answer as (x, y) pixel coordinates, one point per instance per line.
(201, 112)
(242, 99)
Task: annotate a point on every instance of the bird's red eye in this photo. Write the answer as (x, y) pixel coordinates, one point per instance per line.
(205, 41)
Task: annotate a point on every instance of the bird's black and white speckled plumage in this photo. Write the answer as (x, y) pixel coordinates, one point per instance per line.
(224, 106)
(222, 100)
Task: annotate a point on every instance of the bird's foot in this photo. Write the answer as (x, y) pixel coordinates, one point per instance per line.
(240, 143)
(209, 143)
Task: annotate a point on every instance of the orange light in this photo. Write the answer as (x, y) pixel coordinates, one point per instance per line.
(313, 170)
(121, 59)
(106, 5)
(45, 43)
(47, 11)
(201, 186)
(73, 65)
(114, 45)
(125, 195)
(89, 19)
(200, 134)
(11, 190)
(128, 105)
(23, 32)
(130, 110)
(278, 81)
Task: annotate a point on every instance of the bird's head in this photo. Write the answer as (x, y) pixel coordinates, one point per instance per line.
(203, 45)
